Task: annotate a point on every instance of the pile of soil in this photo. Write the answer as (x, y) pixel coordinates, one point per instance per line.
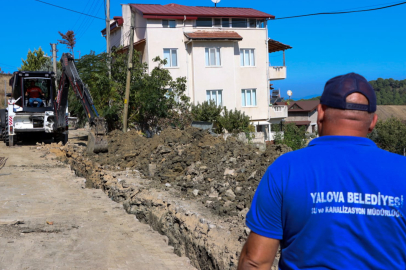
(222, 174)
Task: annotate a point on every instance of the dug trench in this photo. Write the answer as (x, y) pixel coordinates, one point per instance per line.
(186, 184)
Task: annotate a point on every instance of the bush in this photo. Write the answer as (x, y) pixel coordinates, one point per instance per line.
(234, 122)
(390, 135)
(293, 136)
(207, 111)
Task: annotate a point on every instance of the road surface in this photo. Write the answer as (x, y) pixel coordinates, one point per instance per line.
(48, 220)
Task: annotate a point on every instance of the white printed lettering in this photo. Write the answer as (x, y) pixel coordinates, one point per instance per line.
(341, 199)
(356, 197)
(367, 198)
(330, 196)
(350, 197)
(384, 198)
(360, 198)
(390, 201)
(313, 197)
(374, 199)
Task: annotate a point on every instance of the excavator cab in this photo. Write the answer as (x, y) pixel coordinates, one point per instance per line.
(38, 85)
(37, 92)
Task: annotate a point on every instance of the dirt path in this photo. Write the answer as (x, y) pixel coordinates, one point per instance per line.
(48, 220)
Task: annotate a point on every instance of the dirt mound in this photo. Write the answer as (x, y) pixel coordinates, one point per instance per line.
(222, 174)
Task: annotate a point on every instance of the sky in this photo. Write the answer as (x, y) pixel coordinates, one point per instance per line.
(369, 43)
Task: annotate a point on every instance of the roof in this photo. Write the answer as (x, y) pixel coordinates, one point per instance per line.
(280, 103)
(124, 49)
(148, 10)
(276, 46)
(213, 35)
(386, 111)
(299, 123)
(304, 106)
(118, 22)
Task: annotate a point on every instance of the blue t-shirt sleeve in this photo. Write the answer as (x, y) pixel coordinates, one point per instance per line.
(265, 215)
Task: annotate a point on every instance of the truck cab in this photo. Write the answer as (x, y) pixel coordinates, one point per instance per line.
(31, 106)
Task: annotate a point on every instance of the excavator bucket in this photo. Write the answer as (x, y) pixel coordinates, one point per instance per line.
(97, 139)
(96, 143)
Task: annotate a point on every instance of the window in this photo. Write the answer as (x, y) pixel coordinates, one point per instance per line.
(260, 23)
(215, 95)
(217, 23)
(252, 23)
(204, 22)
(239, 23)
(171, 56)
(248, 97)
(225, 22)
(212, 56)
(169, 93)
(247, 57)
(169, 23)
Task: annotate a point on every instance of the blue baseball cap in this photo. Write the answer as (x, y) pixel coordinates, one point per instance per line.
(338, 88)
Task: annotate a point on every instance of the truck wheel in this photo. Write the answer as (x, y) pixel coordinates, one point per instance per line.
(61, 138)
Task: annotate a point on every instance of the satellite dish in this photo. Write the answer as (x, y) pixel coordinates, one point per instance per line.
(289, 93)
(215, 2)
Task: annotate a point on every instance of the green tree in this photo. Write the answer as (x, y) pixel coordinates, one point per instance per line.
(390, 135)
(35, 60)
(390, 91)
(206, 111)
(234, 122)
(153, 96)
(292, 136)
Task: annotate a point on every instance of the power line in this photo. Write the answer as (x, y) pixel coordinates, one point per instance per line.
(81, 17)
(70, 10)
(85, 19)
(282, 18)
(340, 12)
(88, 25)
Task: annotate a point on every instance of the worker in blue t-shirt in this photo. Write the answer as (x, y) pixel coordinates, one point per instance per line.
(337, 203)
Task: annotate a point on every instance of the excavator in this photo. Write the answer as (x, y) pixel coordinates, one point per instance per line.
(47, 112)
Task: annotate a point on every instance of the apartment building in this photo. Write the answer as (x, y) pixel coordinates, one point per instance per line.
(222, 52)
(303, 113)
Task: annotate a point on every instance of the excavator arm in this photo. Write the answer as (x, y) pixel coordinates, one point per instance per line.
(97, 141)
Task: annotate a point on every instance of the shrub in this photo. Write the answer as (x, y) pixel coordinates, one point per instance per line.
(234, 122)
(206, 111)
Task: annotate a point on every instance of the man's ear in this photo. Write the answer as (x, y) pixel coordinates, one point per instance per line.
(373, 123)
(320, 117)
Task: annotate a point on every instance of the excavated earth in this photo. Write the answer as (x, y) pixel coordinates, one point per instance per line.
(189, 185)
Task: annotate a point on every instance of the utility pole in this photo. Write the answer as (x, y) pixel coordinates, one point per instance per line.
(108, 35)
(53, 45)
(5, 94)
(129, 67)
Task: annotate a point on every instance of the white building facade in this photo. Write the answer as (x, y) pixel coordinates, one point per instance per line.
(222, 52)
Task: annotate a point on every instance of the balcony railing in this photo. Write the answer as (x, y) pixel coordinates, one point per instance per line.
(278, 111)
(277, 73)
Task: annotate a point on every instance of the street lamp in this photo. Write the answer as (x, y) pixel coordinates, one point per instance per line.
(289, 93)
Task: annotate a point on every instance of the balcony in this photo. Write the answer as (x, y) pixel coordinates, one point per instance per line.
(277, 73)
(278, 111)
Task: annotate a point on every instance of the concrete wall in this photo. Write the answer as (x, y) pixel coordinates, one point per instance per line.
(230, 77)
(115, 38)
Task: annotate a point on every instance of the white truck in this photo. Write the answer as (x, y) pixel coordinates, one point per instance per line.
(46, 113)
